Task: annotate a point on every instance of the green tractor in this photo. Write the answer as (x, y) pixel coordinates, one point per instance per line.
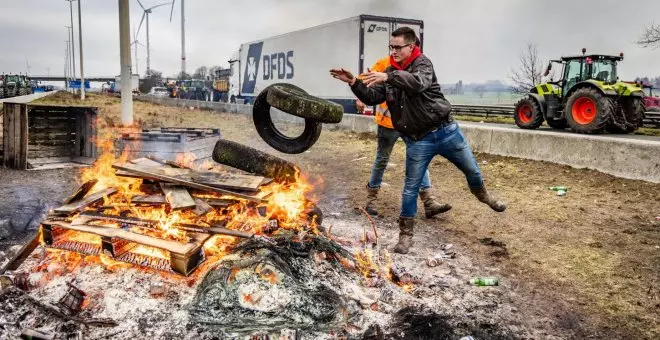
(588, 98)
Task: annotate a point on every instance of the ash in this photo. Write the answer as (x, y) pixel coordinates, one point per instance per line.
(295, 288)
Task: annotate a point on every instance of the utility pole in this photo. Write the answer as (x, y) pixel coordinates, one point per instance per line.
(125, 61)
(70, 36)
(73, 51)
(66, 65)
(82, 75)
(183, 40)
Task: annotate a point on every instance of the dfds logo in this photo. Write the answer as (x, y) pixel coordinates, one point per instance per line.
(275, 66)
(278, 65)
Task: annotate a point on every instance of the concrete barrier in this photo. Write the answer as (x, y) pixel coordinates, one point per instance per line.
(624, 157)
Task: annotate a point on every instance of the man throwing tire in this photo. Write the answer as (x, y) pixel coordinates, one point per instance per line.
(422, 115)
(386, 138)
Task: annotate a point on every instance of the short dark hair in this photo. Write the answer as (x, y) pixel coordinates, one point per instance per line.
(408, 34)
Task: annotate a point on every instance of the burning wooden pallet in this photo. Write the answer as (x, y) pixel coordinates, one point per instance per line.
(192, 206)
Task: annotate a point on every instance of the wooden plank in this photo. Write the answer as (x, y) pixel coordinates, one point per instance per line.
(177, 196)
(48, 160)
(16, 134)
(5, 134)
(24, 137)
(148, 162)
(220, 203)
(149, 172)
(228, 181)
(149, 199)
(81, 192)
(91, 134)
(51, 166)
(50, 151)
(80, 139)
(84, 160)
(171, 246)
(22, 254)
(202, 208)
(81, 204)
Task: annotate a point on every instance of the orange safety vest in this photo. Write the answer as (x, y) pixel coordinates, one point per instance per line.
(383, 117)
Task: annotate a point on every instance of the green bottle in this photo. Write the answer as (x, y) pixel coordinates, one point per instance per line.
(559, 188)
(485, 281)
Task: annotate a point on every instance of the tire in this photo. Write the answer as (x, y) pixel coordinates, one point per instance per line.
(633, 108)
(559, 124)
(2, 93)
(527, 114)
(22, 92)
(588, 111)
(297, 102)
(273, 137)
(253, 161)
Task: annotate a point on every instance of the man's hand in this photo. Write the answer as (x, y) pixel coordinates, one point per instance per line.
(374, 78)
(343, 75)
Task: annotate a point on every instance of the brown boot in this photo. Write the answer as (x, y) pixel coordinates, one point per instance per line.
(406, 226)
(372, 195)
(431, 206)
(483, 196)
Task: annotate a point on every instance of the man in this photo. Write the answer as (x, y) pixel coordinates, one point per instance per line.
(422, 115)
(387, 137)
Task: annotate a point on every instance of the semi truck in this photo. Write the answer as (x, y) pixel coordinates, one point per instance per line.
(304, 57)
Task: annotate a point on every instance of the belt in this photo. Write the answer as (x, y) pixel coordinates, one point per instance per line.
(443, 124)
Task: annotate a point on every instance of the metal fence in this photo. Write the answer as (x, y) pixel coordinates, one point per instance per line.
(651, 119)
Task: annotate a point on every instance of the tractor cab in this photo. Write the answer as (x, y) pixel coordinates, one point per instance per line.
(588, 98)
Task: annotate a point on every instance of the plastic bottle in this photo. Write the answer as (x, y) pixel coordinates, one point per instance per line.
(485, 281)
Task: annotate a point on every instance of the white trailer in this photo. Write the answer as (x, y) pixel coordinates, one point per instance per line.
(305, 57)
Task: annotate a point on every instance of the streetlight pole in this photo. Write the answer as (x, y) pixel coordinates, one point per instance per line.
(73, 51)
(183, 39)
(82, 75)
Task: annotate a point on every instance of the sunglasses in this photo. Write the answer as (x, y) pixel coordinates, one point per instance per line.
(398, 48)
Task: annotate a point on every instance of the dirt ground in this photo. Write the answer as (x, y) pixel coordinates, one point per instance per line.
(580, 266)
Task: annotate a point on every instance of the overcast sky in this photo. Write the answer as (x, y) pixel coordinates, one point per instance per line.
(469, 40)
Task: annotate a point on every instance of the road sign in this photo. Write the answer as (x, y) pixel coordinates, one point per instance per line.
(75, 84)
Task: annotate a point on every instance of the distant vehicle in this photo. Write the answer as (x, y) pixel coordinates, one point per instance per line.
(588, 98)
(13, 85)
(303, 58)
(159, 91)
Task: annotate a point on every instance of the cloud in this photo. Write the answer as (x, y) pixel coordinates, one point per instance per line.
(471, 40)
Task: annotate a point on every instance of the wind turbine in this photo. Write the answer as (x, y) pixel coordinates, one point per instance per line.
(136, 42)
(183, 35)
(146, 13)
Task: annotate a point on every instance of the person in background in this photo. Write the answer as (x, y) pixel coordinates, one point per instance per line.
(422, 114)
(387, 137)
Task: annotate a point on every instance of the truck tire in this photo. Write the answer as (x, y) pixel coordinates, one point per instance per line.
(273, 137)
(559, 124)
(633, 108)
(253, 161)
(527, 113)
(589, 111)
(297, 102)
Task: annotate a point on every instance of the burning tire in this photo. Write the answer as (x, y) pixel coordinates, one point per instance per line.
(297, 102)
(254, 161)
(633, 110)
(269, 133)
(588, 111)
(527, 114)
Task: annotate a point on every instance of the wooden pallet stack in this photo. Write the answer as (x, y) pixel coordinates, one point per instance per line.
(115, 231)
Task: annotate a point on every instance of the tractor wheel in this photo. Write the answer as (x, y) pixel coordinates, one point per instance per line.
(2, 93)
(527, 114)
(558, 124)
(588, 111)
(21, 92)
(633, 109)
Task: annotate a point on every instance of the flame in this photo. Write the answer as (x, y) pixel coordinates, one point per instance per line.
(288, 203)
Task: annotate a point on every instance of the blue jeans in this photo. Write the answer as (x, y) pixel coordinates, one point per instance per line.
(448, 142)
(386, 140)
